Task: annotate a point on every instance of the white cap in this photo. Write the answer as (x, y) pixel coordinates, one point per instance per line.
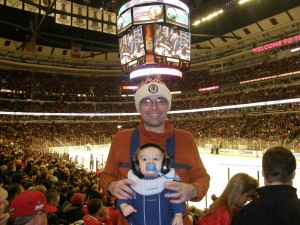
(152, 89)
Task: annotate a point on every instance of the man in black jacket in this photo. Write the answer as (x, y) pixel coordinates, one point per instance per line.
(73, 211)
(278, 202)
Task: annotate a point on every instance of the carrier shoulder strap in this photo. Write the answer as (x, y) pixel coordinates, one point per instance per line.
(135, 144)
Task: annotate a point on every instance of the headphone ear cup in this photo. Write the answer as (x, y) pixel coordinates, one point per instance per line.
(165, 165)
(135, 167)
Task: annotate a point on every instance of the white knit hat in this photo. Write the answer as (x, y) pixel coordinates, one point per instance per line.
(152, 89)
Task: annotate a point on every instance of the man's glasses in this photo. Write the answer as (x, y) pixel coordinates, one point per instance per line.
(159, 102)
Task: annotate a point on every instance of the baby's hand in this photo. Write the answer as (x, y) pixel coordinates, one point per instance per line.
(127, 210)
(177, 220)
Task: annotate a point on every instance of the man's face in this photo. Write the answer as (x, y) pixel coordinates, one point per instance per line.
(153, 111)
(150, 155)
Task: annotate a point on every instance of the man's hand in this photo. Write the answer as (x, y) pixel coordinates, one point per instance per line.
(183, 191)
(120, 189)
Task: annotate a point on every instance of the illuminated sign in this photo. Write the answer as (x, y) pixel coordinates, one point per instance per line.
(124, 21)
(177, 16)
(171, 42)
(132, 3)
(148, 14)
(295, 49)
(131, 45)
(276, 44)
(208, 88)
(162, 38)
(150, 71)
(129, 87)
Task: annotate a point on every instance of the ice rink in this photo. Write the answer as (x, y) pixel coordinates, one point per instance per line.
(219, 167)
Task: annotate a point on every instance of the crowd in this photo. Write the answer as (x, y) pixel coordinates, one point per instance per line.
(280, 128)
(70, 194)
(74, 191)
(28, 92)
(50, 89)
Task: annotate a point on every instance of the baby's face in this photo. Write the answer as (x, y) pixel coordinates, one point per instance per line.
(148, 159)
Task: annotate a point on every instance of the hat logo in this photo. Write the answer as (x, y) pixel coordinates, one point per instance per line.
(153, 88)
(39, 206)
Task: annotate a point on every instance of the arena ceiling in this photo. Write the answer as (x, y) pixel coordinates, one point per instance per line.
(16, 24)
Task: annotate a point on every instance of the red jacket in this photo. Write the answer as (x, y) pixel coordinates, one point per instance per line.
(220, 217)
(186, 154)
(90, 220)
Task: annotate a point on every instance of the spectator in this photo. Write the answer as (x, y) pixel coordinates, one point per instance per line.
(29, 207)
(13, 190)
(3, 205)
(153, 101)
(240, 189)
(73, 211)
(52, 197)
(64, 200)
(278, 202)
(44, 180)
(97, 213)
(113, 212)
(41, 188)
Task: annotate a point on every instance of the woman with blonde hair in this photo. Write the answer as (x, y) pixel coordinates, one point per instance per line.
(240, 189)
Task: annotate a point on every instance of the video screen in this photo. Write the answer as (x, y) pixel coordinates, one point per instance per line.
(131, 45)
(171, 42)
(148, 14)
(177, 17)
(124, 21)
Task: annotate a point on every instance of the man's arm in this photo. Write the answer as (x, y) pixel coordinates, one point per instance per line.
(113, 180)
(194, 179)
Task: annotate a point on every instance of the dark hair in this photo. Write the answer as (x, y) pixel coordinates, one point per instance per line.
(94, 205)
(19, 166)
(278, 164)
(64, 189)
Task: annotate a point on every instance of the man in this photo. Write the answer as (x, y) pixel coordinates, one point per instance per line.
(98, 214)
(73, 211)
(3, 205)
(175, 44)
(29, 207)
(53, 197)
(91, 162)
(278, 202)
(153, 101)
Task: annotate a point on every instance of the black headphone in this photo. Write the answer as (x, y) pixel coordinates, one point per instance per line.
(135, 162)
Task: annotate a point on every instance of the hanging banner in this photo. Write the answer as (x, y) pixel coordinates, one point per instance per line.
(32, 8)
(63, 6)
(94, 15)
(79, 11)
(76, 50)
(47, 3)
(15, 4)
